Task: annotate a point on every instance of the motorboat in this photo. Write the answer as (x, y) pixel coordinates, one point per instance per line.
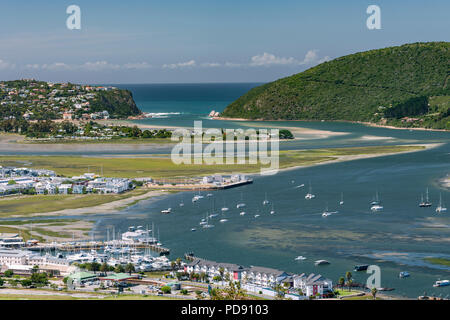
(404, 274)
(441, 283)
(362, 267)
(300, 258)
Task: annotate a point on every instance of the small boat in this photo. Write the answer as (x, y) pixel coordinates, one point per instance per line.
(441, 208)
(300, 258)
(266, 202)
(375, 201)
(310, 195)
(242, 213)
(167, 211)
(241, 204)
(362, 267)
(321, 262)
(426, 203)
(404, 274)
(441, 283)
(326, 213)
(223, 220)
(376, 208)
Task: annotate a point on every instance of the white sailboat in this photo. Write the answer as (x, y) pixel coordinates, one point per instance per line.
(265, 202)
(241, 204)
(376, 204)
(273, 210)
(441, 208)
(310, 195)
(426, 203)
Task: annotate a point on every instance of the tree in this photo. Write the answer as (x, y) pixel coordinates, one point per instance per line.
(9, 273)
(341, 281)
(94, 267)
(26, 283)
(104, 267)
(374, 292)
(119, 269)
(129, 268)
(166, 290)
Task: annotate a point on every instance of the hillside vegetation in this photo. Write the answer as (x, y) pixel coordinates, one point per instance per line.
(404, 86)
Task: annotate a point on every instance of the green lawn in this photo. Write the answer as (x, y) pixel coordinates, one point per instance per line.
(26, 205)
(68, 297)
(156, 167)
(163, 167)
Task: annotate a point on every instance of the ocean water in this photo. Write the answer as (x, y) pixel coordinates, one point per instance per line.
(396, 239)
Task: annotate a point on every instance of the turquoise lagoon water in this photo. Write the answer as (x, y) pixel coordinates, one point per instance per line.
(397, 239)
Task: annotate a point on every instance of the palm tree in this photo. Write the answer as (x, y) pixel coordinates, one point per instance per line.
(178, 261)
(374, 292)
(348, 275)
(104, 268)
(129, 268)
(341, 281)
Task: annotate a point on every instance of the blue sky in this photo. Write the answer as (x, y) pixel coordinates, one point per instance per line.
(176, 41)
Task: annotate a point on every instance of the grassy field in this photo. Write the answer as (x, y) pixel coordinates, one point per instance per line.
(24, 233)
(439, 261)
(68, 297)
(150, 167)
(26, 205)
(162, 167)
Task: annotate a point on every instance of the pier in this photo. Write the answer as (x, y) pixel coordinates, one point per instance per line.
(82, 246)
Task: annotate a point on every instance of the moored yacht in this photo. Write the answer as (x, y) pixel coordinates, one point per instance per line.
(441, 208)
(167, 211)
(310, 195)
(426, 203)
(265, 202)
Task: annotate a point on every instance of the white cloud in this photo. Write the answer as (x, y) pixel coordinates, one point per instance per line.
(267, 59)
(211, 65)
(89, 66)
(137, 65)
(100, 65)
(187, 64)
(56, 66)
(6, 65)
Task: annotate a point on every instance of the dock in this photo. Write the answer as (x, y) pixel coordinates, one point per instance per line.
(198, 187)
(83, 246)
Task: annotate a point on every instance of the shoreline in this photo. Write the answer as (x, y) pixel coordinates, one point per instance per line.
(370, 124)
(428, 146)
(115, 207)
